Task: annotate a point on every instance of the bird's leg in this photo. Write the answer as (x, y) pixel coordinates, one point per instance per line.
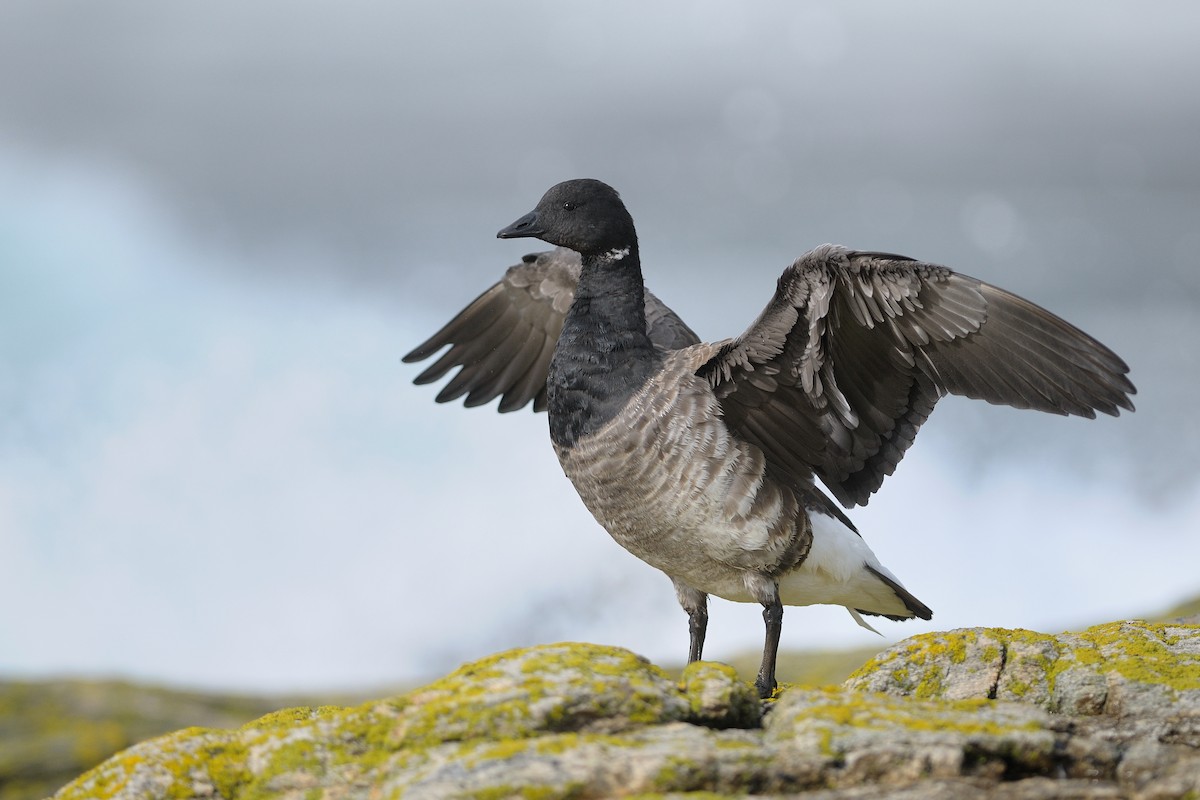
(697, 626)
(695, 603)
(773, 618)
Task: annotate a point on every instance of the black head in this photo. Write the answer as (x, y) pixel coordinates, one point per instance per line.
(584, 215)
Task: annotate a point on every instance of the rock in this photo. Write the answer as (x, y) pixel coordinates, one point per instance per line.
(983, 713)
(718, 698)
(874, 738)
(1122, 668)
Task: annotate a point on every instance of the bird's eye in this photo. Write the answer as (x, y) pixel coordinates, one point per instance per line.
(568, 206)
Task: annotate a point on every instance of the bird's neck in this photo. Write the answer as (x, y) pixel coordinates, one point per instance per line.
(604, 353)
(610, 299)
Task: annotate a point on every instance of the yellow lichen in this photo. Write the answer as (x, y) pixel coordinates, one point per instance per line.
(1138, 651)
(882, 712)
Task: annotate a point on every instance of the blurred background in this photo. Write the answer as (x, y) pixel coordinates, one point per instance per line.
(222, 224)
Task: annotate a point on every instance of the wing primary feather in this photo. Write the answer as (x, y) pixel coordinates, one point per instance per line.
(508, 361)
(473, 359)
(532, 384)
(468, 323)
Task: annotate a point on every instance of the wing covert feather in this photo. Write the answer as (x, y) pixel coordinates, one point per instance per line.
(859, 347)
(502, 342)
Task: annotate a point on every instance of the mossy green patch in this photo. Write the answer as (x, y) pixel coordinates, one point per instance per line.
(288, 717)
(985, 734)
(523, 693)
(1140, 651)
(559, 743)
(882, 712)
(525, 793)
(1030, 666)
(717, 698)
(911, 663)
(503, 750)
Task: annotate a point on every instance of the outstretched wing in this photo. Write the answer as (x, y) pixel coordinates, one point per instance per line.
(854, 350)
(504, 339)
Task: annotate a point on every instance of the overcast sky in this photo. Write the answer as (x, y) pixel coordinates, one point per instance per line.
(221, 225)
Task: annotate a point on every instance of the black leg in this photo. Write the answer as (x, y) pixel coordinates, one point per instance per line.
(773, 618)
(695, 603)
(697, 626)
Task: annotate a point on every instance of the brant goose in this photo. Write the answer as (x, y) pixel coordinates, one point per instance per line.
(701, 459)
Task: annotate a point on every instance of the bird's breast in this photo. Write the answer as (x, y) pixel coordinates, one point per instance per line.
(673, 485)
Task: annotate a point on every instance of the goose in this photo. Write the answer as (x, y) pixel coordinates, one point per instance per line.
(702, 459)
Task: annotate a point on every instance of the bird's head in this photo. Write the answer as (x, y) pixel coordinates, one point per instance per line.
(584, 215)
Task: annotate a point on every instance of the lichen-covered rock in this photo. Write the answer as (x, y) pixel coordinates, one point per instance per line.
(879, 738)
(719, 699)
(551, 689)
(1121, 668)
(566, 721)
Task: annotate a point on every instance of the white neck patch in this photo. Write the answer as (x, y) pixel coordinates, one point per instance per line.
(617, 255)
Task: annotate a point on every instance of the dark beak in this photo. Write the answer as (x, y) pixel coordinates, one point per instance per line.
(525, 226)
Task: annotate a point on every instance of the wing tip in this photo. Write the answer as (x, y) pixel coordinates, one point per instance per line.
(421, 352)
